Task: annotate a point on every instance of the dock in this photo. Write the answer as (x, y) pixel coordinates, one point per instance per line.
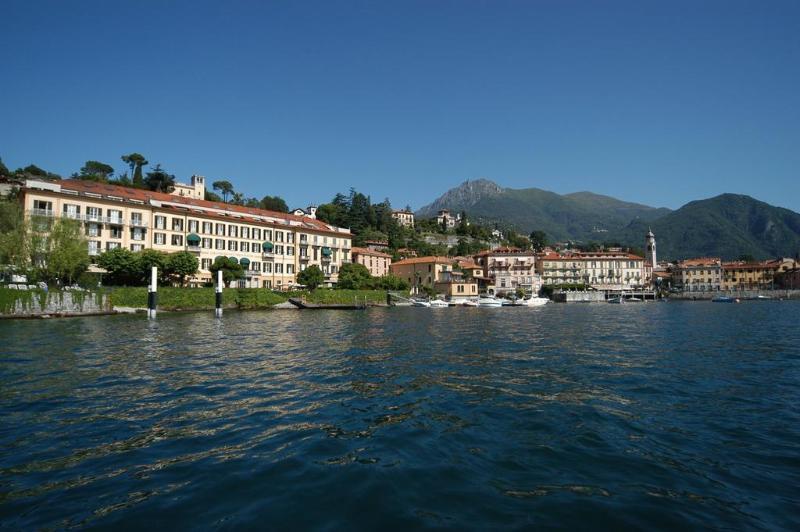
(305, 305)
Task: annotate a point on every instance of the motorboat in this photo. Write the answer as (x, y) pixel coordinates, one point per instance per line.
(489, 301)
(535, 301)
(724, 299)
(420, 303)
(438, 303)
(470, 303)
(512, 303)
(616, 300)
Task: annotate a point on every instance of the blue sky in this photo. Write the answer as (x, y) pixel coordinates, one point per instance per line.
(656, 102)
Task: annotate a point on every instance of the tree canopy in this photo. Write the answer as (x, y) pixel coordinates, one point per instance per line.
(311, 277)
(159, 180)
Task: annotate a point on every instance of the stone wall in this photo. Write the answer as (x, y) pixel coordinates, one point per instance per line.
(741, 294)
(32, 303)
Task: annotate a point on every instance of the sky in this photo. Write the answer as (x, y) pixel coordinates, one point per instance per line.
(654, 102)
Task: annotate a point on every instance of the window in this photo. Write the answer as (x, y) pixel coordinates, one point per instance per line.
(177, 224)
(290, 238)
(233, 231)
(94, 213)
(219, 243)
(114, 216)
(136, 218)
(231, 245)
(279, 268)
(279, 250)
(220, 229)
(137, 233)
(111, 245)
(255, 266)
(39, 205)
(206, 243)
(94, 247)
(245, 247)
(290, 268)
(137, 247)
(193, 226)
(205, 264)
(290, 250)
(177, 240)
(245, 232)
(267, 234)
(72, 211)
(207, 228)
(159, 239)
(93, 230)
(116, 232)
(161, 222)
(267, 267)
(278, 236)
(256, 233)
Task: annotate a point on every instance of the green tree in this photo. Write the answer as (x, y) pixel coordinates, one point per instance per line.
(34, 171)
(14, 241)
(4, 171)
(159, 180)
(67, 255)
(122, 266)
(311, 277)
(95, 171)
(225, 188)
(231, 269)
(147, 259)
(181, 265)
(274, 203)
(212, 196)
(353, 276)
(136, 162)
(390, 282)
(538, 240)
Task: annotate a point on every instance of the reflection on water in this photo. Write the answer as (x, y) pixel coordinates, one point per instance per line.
(655, 415)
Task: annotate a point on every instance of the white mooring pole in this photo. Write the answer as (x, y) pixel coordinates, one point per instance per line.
(152, 297)
(218, 295)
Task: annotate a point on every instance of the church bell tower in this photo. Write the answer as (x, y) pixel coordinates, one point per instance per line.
(650, 242)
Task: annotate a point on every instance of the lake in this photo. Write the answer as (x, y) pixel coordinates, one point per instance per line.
(595, 416)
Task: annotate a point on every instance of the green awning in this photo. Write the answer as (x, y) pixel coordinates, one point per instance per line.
(234, 259)
(326, 252)
(192, 238)
(266, 246)
(244, 261)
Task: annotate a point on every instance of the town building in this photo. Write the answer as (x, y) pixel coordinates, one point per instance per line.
(509, 269)
(404, 217)
(195, 190)
(602, 270)
(434, 273)
(789, 279)
(376, 262)
(445, 219)
(310, 212)
(272, 247)
(702, 274)
(762, 275)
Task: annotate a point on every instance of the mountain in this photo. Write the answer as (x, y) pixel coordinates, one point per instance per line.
(580, 216)
(727, 226)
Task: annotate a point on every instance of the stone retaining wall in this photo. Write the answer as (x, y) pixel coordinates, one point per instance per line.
(35, 303)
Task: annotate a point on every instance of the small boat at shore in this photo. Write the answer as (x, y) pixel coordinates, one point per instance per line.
(724, 299)
(438, 303)
(489, 301)
(535, 301)
(420, 303)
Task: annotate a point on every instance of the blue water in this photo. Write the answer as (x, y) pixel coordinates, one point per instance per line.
(657, 416)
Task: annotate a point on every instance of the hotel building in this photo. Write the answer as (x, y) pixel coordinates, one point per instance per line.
(603, 270)
(698, 275)
(434, 273)
(509, 269)
(272, 247)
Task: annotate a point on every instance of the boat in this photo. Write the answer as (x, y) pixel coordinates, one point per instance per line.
(634, 300)
(470, 303)
(512, 303)
(763, 297)
(535, 301)
(489, 301)
(438, 303)
(420, 303)
(724, 299)
(617, 300)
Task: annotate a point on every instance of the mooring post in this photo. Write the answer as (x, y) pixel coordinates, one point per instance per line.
(152, 297)
(218, 295)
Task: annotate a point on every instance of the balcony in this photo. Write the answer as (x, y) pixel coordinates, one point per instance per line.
(42, 212)
(268, 255)
(193, 249)
(114, 221)
(304, 258)
(138, 223)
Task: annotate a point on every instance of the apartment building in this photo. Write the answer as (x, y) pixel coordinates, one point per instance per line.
(742, 275)
(271, 247)
(434, 273)
(376, 262)
(603, 270)
(509, 269)
(703, 274)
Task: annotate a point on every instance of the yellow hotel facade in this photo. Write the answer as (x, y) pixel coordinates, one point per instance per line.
(271, 246)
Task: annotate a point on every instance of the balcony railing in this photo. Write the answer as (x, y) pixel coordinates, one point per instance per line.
(193, 249)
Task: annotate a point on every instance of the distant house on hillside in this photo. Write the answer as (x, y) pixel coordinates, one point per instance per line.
(310, 212)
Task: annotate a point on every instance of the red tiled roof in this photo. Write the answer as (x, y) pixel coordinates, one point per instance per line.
(424, 260)
(700, 261)
(128, 193)
(370, 252)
